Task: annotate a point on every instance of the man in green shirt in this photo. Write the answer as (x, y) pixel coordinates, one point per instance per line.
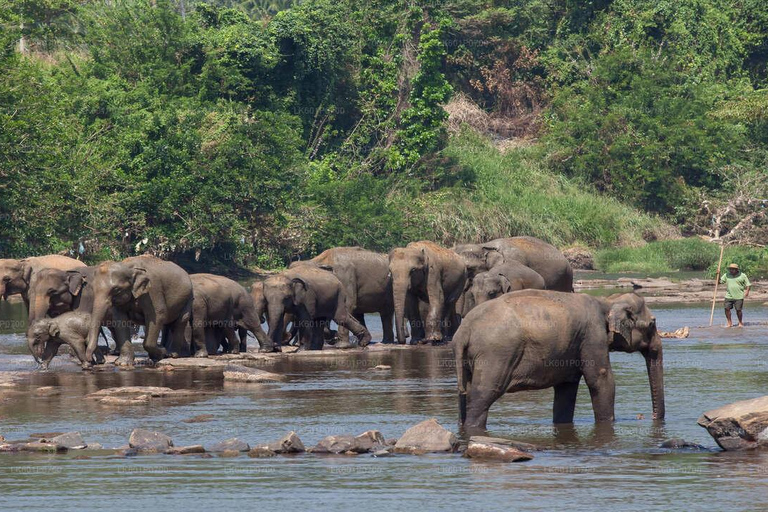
(737, 289)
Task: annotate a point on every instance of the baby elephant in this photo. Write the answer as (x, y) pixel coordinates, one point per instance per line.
(46, 335)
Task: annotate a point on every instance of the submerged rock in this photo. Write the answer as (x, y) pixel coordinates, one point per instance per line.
(70, 440)
(185, 450)
(739, 426)
(245, 374)
(497, 452)
(261, 452)
(525, 447)
(428, 436)
(233, 444)
(677, 444)
(151, 391)
(116, 400)
(39, 446)
(200, 418)
(149, 441)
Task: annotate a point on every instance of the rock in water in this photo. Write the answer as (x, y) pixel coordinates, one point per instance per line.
(334, 444)
(233, 444)
(523, 447)
(261, 452)
(149, 441)
(70, 440)
(371, 440)
(428, 436)
(679, 444)
(498, 452)
(185, 450)
(740, 425)
(290, 443)
(237, 373)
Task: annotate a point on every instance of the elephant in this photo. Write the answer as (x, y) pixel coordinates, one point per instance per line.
(143, 290)
(18, 276)
(46, 335)
(222, 304)
(424, 271)
(315, 297)
(367, 285)
(504, 278)
(531, 252)
(537, 339)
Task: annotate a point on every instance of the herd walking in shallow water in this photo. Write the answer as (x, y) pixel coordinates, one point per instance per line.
(508, 305)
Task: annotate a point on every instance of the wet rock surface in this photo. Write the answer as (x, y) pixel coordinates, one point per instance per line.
(495, 452)
(525, 447)
(289, 443)
(233, 444)
(261, 452)
(371, 440)
(149, 441)
(234, 373)
(681, 444)
(185, 450)
(739, 426)
(70, 441)
(426, 437)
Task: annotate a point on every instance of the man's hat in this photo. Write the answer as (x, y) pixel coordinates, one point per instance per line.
(733, 265)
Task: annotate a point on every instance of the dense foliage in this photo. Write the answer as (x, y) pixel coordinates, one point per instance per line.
(246, 131)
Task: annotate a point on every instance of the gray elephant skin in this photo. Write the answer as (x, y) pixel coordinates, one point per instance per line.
(536, 339)
(315, 297)
(143, 290)
(424, 271)
(70, 328)
(536, 254)
(504, 278)
(367, 285)
(221, 304)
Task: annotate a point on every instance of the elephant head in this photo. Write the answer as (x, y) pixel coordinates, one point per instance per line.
(409, 267)
(487, 286)
(15, 276)
(478, 258)
(55, 291)
(114, 285)
(38, 335)
(632, 328)
(278, 294)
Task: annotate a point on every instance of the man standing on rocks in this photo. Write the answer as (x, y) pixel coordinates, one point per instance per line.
(737, 289)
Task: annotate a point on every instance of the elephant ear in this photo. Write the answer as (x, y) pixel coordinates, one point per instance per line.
(75, 282)
(141, 282)
(506, 285)
(492, 256)
(621, 321)
(303, 295)
(53, 329)
(26, 271)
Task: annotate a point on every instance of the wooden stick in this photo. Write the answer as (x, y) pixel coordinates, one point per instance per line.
(717, 282)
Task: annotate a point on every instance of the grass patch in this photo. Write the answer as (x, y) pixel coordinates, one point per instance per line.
(513, 193)
(682, 254)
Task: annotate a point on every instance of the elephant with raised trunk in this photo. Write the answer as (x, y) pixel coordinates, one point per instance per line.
(424, 271)
(536, 339)
(142, 290)
(314, 297)
(536, 254)
(367, 285)
(222, 304)
(19, 276)
(501, 279)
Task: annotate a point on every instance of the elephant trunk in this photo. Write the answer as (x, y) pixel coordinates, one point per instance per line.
(38, 307)
(275, 314)
(400, 292)
(655, 365)
(97, 318)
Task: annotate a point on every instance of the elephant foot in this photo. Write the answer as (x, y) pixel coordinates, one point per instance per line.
(341, 345)
(157, 353)
(201, 353)
(124, 361)
(365, 340)
(86, 366)
(269, 350)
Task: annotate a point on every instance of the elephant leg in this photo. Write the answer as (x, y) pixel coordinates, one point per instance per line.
(435, 317)
(122, 332)
(416, 319)
(565, 402)
(316, 332)
(181, 344)
(602, 388)
(242, 346)
(151, 337)
(387, 325)
(233, 344)
(213, 340)
(49, 352)
(479, 401)
(201, 334)
(358, 329)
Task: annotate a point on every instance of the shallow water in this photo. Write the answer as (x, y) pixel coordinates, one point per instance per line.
(583, 467)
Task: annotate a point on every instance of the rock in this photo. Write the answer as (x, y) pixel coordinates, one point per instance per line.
(683, 332)
(652, 282)
(579, 258)
(47, 391)
(524, 447)
(261, 452)
(116, 400)
(739, 426)
(334, 444)
(185, 450)
(94, 446)
(70, 440)
(149, 441)
(44, 435)
(370, 440)
(677, 443)
(290, 443)
(497, 452)
(150, 391)
(229, 453)
(9, 447)
(428, 436)
(382, 453)
(245, 374)
(200, 418)
(38, 446)
(364, 443)
(128, 452)
(382, 367)
(233, 444)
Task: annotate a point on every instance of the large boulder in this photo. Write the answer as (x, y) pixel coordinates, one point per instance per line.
(70, 440)
(740, 425)
(496, 452)
(148, 441)
(428, 436)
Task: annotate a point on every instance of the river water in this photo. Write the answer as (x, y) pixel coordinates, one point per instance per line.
(619, 468)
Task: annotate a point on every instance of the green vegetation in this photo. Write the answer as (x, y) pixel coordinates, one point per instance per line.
(250, 132)
(686, 254)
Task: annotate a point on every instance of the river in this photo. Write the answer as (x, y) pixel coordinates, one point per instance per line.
(619, 468)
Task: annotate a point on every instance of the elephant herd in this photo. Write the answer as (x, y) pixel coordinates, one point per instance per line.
(508, 305)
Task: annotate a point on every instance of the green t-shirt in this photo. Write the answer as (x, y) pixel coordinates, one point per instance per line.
(736, 285)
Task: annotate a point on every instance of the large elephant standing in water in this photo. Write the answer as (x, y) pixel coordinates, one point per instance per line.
(424, 271)
(367, 285)
(19, 276)
(535, 339)
(536, 254)
(146, 291)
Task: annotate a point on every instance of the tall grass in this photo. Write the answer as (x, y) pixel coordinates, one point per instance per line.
(514, 194)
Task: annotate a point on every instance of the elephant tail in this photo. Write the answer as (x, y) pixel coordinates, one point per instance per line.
(463, 373)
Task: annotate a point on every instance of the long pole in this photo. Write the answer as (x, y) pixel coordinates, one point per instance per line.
(717, 282)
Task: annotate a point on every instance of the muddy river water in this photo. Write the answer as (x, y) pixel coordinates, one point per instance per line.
(581, 468)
